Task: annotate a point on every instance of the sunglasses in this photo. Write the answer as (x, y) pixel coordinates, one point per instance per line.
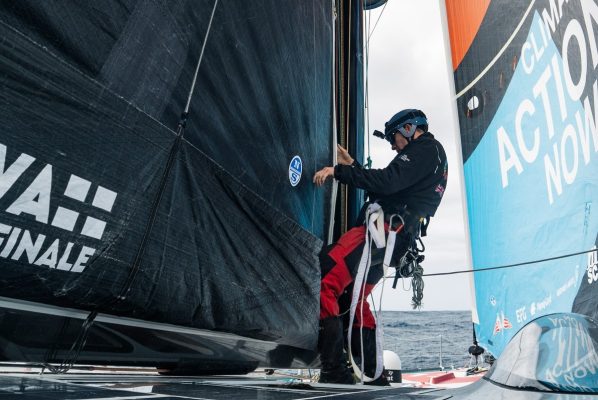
(389, 137)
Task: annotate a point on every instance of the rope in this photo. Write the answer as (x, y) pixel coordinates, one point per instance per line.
(203, 47)
(169, 163)
(368, 164)
(374, 232)
(469, 271)
(417, 284)
(376, 24)
(74, 351)
(77, 346)
(513, 265)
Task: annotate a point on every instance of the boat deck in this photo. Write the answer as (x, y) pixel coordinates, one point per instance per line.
(449, 379)
(105, 386)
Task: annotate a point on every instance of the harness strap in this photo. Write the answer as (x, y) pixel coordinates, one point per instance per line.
(375, 232)
(376, 224)
(374, 219)
(390, 243)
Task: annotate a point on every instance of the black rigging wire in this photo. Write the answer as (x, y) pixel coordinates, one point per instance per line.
(468, 271)
(79, 343)
(169, 163)
(73, 353)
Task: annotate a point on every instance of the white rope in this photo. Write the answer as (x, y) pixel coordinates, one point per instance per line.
(374, 233)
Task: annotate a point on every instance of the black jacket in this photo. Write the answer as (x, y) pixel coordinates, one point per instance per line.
(416, 177)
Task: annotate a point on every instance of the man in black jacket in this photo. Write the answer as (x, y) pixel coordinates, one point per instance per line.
(412, 186)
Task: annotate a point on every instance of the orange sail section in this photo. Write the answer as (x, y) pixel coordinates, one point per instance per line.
(464, 20)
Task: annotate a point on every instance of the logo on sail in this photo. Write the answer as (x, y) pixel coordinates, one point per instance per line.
(34, 203)
(295, 170)
(501, 323)
(540, 306)
(497, 326)
(571, 282)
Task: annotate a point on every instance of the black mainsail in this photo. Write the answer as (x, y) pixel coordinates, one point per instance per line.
(108, 208)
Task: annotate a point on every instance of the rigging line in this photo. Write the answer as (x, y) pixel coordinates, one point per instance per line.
(500, 52)
(378, 20)
(367, 86)
(335, 112)
(315, 143)
(203, 47)
(348, 76)
(76, 348)
(164, 178)
(347, 109)
(511, 265)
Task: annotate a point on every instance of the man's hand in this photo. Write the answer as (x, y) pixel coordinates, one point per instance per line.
(342, 155)
(323, 174)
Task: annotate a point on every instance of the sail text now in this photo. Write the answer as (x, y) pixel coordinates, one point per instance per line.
(556, 110)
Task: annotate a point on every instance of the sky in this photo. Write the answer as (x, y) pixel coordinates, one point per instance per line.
(409, 67)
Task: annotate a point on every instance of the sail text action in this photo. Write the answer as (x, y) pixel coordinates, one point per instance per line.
(554, 123)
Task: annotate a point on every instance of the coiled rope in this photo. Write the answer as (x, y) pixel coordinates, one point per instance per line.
(417, 285)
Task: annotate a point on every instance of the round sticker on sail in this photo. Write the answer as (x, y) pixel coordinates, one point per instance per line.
(295, 169)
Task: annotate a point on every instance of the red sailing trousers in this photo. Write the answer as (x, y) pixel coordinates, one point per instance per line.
(339, 267)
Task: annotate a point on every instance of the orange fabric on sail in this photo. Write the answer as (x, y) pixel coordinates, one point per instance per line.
(464, 20)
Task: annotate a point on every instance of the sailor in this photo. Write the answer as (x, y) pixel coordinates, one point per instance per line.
(412, 185)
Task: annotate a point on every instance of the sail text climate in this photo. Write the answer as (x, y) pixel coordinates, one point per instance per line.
(561, 84)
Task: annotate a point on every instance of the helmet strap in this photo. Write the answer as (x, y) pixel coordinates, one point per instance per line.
(408, 133)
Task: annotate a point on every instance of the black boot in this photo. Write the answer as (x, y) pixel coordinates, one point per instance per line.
(369, 349)
(330, 345)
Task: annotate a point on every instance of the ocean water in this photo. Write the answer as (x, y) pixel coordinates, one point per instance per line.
(418, 336)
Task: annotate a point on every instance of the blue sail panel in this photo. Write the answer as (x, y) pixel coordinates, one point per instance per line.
(530, 150)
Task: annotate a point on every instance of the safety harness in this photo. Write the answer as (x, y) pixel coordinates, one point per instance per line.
(408, 267)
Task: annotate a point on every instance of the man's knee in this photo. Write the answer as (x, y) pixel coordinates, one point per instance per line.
(331, 288)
